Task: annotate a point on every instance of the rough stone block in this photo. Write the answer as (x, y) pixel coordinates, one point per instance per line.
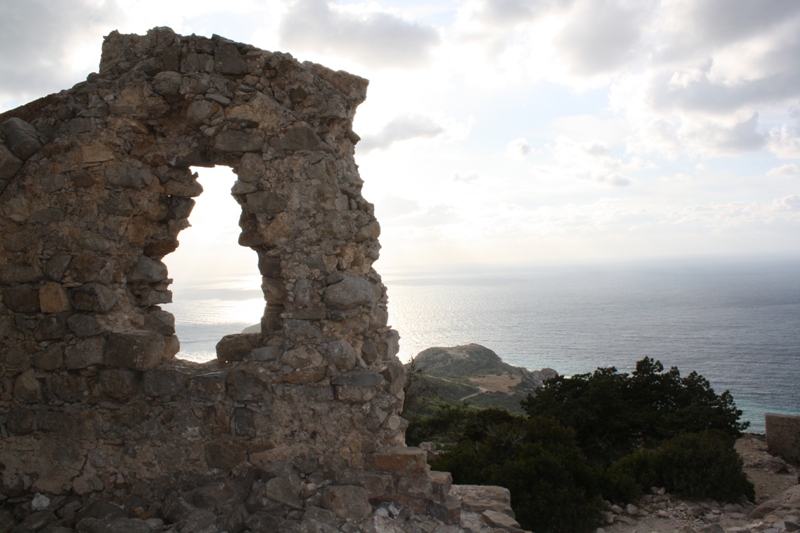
(235, 347)
(51, 328)
(496, 519)
(27, 388)
(228, 60)
(20, 137)
(224, 455)
(346, 501)
(22, 298)
(53, 298)
(9, 163)
(783, 436)
(19, 273)
(148, 270)
(84, 325)
(93, 297)
(401, 459)
(247, 386)
(85, 353)
(447, 511)
(349, 293)
(238, 141)
(51, 358)
(117, 384)
(135, 350)
(299, 138)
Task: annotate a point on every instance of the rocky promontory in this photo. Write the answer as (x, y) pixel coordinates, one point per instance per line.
(476, 374)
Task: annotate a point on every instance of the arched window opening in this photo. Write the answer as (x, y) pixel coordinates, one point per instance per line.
(216, 288)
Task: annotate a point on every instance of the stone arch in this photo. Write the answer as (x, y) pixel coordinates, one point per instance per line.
(95, 187)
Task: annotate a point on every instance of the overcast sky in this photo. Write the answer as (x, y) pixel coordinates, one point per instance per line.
(510, 131)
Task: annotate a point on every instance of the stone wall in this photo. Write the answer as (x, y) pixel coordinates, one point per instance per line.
(95, 187)
(783, 436)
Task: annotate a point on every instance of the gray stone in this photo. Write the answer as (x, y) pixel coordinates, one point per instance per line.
(301, 137)
(51, 328)
(359, 378)
(27, 388)
(161, 322)
(200, 111)
(228, 60)
(148, 270)
(20, 137)
(19, 273)
(22, 298)
(93, 297)
(164, 382)
(183, 190)
(85, 353)
(167, 83)
(341, 353)
(244, 386)
(238, 141)
(118, 384)
(9, 163)
(349, 293)
(51, 358)
(38, 520)
(282, 491)
(265, 202)
(235, 347)
(501, 520)
(127, 175)
(224, 455)
(135, 350)
(346, 501)
(47, 216)
(84, 325)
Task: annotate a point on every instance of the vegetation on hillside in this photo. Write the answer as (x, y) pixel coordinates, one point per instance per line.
(605, 435)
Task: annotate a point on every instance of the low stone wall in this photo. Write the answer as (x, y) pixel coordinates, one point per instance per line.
(783, 436)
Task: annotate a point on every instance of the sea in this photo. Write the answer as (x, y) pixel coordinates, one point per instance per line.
(736, 321)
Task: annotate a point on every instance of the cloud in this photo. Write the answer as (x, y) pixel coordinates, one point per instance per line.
(396, 206)
(469, 178)
(600, 35)
(519, 148)
(790, 170)
(712, 138)
(376, 39)
(788, 203)
(42, 40)
(695, 26)
(400, 128)
(785, 142)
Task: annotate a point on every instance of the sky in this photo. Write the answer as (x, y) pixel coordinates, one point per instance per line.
(507, 132)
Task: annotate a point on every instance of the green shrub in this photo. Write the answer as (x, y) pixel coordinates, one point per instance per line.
(615, 414)
(552, 486)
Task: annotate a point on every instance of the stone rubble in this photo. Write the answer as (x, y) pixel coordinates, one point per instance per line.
(293, 428)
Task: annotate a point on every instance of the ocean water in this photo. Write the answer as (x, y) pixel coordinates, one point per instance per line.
(735, 321)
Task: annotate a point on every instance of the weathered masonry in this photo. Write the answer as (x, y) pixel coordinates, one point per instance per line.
(96, 186)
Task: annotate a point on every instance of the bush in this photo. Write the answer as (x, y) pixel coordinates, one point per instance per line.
(615, 414)
(552, 486)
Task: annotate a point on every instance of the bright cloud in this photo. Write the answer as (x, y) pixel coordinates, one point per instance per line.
(373, 37)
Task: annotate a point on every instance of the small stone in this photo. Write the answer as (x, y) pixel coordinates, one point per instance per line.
(501, 520)
(93, 297)
(9, 163)
(51, 358)
(224, 455)
(40, 502)
(20, 137)
(346, 501)
(53, 298)
(148, 270)
(27, 388)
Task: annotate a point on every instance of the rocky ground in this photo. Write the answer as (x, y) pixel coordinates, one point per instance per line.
(776, 509)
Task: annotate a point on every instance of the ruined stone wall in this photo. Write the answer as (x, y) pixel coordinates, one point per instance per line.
(95, 187)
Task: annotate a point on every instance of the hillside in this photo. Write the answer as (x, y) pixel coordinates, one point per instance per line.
(475, 374)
